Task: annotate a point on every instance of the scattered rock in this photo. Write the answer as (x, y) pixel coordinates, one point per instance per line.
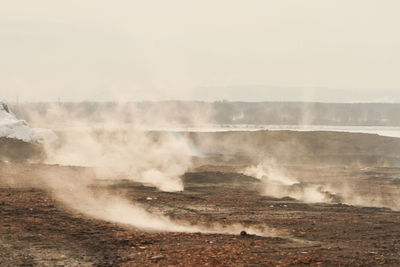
(157, 257)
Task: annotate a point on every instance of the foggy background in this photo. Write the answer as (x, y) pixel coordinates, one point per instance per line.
(303, 50)
(168, 114)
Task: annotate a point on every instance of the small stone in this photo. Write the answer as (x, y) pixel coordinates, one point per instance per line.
(157, 257)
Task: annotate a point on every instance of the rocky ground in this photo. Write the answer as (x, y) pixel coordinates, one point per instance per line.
(36, 229)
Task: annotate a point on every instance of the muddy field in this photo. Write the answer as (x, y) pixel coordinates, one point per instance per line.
(358, 227)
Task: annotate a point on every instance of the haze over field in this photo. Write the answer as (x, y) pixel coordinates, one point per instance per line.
(199, 133)
(262, 50)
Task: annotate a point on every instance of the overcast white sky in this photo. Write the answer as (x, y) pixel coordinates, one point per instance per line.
(251, 50)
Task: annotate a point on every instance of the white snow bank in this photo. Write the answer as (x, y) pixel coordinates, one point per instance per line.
(11, 127)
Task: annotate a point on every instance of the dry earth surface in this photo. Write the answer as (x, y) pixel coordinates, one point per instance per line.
(36, 229)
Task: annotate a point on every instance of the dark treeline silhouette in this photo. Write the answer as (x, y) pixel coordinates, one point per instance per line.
(224, 112)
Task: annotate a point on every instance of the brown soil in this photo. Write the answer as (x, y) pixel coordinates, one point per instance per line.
(36, 229)
(19, 151)
(291, 147)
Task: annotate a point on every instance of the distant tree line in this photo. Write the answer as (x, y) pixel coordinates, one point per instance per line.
(224, 112)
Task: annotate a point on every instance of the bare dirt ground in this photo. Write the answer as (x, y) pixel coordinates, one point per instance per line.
(38, 230)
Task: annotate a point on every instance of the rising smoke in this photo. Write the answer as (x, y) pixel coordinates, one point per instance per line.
(318, 188)
(278, 183)
(155, 159)
(116, 150)
(113, 152)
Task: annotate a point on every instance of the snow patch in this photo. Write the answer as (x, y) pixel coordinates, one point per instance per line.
(11, 127)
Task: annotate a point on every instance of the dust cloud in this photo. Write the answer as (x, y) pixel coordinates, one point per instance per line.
(278, 183)
(157, 159)
(78, 194)
(114, 151)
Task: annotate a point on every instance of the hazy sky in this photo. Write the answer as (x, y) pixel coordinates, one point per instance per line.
(253, 50)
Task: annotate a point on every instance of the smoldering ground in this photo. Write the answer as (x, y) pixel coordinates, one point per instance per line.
(153, 158)
(115, 151)
(328, 185)
(311, 167)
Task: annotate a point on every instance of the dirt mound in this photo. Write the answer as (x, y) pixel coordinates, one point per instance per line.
(217, 178)
(19, 151)
(290, 147)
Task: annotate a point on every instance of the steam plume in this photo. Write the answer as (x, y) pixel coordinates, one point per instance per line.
(113, 153)
(278, 183)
